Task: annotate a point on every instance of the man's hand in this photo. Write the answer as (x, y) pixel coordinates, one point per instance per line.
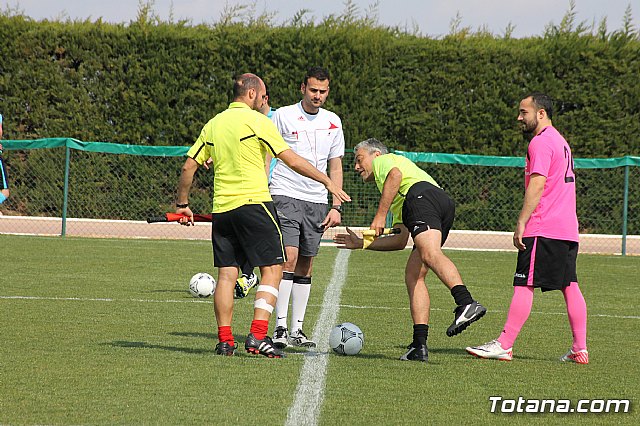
(186, 221)
(348, 241)
(334, 218)
(337, 192)
(378, 224)
(207, 164)
(517, 236)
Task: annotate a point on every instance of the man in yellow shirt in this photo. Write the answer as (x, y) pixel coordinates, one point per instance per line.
(249, 279)
(420, 207)
(245, 224)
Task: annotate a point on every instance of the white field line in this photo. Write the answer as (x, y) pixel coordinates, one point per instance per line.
(307, 403)
(106, 299)
(373, 308)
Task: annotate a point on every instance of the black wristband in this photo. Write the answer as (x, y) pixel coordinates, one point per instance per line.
(337, 208)
(182, 206)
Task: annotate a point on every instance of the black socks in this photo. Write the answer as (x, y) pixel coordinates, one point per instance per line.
(420, 333)
(461, 295)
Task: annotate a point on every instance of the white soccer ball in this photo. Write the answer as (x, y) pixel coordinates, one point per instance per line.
(202, 285)
(346, 339)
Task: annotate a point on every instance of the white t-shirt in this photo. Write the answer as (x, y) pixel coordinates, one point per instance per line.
(317, 138)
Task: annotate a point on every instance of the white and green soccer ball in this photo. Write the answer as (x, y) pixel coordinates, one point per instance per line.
(346, 339)
(202, 285)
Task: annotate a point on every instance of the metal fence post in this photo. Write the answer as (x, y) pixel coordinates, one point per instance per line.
(66, 189)
(625, 208)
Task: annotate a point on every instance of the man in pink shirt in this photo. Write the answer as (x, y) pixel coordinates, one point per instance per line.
(546, 234)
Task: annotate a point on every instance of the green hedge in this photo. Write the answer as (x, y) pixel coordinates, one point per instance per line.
(157, 84)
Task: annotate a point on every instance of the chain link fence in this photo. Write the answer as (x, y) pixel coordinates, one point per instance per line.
(73, 188)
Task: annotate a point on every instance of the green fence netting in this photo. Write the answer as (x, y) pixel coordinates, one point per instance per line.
(67, 178)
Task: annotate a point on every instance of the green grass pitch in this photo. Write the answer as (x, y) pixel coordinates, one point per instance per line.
(105, 332)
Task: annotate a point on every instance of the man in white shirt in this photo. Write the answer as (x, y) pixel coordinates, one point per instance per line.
(302, 205)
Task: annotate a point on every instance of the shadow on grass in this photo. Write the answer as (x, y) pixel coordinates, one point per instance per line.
(447, 351)
(194, 334)
(361, 355)
(461, 352)
(144, 345)
(240, 353)
(183, 292)
(313, 353)
(439, 350)
(237, 337)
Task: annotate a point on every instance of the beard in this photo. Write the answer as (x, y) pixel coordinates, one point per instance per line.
(528, 130)
(258, 104)
(528, 127)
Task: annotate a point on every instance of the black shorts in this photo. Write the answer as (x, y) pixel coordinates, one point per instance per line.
(428, 207)
(250, 233)
(546, 263)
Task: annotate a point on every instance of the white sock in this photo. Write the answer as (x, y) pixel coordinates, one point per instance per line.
(282, 305)
(299, 299)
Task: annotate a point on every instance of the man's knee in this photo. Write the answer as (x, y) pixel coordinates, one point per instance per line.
(290, 264)
(271, 274)
(431, 257)
(292, 258)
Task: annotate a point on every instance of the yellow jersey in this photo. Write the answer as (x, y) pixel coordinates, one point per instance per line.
(237, 140)
(411, 174)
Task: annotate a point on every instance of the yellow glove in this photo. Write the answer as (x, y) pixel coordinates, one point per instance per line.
(368, 235)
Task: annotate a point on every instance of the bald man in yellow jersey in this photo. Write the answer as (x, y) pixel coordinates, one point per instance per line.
(245, 224)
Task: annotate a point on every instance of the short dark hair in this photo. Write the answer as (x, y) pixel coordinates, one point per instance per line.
(318, 73)
(542, 101)
(243, 83)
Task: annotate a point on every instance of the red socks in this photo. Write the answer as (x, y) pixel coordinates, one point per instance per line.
(225, 335)
(259, 328)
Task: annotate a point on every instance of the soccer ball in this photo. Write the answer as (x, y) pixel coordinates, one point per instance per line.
(202, 285)
(346, 339)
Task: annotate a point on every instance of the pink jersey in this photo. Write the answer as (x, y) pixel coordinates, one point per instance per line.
(555, 216)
